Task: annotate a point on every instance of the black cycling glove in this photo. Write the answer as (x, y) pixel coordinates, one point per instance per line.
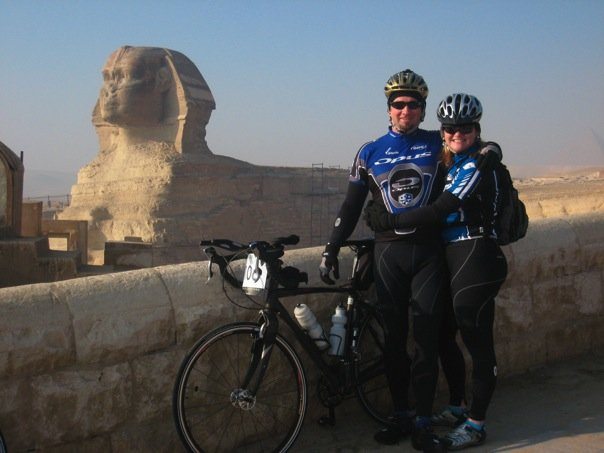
(330, 264)
(377, 217)
(490, 155)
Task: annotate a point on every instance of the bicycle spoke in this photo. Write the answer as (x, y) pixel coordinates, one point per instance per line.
(214, 414)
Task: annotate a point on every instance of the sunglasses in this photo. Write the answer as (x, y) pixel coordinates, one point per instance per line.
(465, 129)
(400, 105)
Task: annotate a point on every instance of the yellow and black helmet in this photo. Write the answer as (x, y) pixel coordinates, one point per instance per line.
(406, 83)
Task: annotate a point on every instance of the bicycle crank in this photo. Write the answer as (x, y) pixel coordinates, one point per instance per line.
(326, 396)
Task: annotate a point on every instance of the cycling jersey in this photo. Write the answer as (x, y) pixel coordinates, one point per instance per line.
(480, 199)
(400, 172)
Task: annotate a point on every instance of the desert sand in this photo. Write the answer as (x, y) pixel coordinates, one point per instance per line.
(577, 193)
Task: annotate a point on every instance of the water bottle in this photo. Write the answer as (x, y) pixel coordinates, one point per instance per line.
(308, 321)
(337, 333)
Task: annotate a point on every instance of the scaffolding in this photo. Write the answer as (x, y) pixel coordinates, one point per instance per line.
(325, 197)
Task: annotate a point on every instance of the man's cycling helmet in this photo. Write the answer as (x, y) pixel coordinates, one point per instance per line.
(459, 108)
(406, 83)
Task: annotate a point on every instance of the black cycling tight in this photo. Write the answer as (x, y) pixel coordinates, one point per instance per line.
(411, 274)
(478, 268)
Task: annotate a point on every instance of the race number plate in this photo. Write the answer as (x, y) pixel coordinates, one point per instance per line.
(255, 276)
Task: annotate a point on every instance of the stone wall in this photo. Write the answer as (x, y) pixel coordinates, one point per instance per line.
(89, 364)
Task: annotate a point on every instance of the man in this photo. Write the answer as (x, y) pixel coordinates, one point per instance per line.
(399, 169)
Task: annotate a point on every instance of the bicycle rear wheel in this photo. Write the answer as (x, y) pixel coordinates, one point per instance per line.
(210, 413)
(370, 374)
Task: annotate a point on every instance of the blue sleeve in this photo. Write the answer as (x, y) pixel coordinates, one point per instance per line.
(465, 180)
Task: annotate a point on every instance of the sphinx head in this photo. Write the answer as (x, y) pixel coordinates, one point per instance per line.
(156, 94)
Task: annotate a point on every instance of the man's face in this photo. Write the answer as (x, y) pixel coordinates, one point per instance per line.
(405, 114)
(130, 95)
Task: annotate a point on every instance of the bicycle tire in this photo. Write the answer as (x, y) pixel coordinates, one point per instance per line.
(370, 375)
(206, 418)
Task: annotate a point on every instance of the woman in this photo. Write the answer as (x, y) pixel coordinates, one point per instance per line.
(466, 209)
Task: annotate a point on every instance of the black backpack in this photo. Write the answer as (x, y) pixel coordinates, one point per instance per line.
(511, 221)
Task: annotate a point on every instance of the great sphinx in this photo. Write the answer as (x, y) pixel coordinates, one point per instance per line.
(154, 177)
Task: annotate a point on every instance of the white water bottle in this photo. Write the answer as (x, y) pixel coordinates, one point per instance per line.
(337, 333)
(308, 321)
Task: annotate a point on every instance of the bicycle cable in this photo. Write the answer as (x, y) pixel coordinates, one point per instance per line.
(224, 289)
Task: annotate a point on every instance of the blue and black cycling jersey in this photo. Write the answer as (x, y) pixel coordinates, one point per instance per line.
(400, 172)
(479, 198)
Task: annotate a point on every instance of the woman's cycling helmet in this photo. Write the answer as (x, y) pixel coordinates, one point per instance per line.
(406, 83)
(459, 108)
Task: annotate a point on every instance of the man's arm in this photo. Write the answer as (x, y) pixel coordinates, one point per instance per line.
(344, 225)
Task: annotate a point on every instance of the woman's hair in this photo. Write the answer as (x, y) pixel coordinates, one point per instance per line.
(446, 155)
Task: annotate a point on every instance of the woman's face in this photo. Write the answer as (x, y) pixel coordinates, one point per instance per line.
(459, 138)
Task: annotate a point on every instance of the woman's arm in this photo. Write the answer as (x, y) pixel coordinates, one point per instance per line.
(379, 219)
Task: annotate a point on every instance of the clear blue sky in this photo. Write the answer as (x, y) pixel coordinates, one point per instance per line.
(300, 82)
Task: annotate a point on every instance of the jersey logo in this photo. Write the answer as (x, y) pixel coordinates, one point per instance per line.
(390, 160)
(418, 147)
(405, 185)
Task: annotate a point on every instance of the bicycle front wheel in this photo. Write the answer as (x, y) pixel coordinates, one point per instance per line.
(370, 373)
(214, 414)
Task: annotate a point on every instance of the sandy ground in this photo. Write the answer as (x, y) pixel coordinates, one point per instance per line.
(559, 408)
(562, 195)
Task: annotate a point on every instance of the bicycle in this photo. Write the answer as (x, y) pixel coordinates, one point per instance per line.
(2, 444)
(242, 387)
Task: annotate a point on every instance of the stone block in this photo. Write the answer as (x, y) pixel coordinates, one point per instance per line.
(35, 331)
(555, 302)
(157, 436)
(567, 339)
(153, 379)
(199, 305)
(77, 405)
(549, 250)
(514, 310)
(16, 420)
(129, 254)
(118, 316)
(526, 351)
(101, 444)
(590, 293)
(31, 219)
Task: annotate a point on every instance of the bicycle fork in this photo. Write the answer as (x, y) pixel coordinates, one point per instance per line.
(244, 397)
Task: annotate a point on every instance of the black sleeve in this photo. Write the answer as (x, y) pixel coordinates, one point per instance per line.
(430, 215)
(349, 214)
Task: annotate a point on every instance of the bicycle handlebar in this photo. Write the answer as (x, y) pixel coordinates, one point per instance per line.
(269, 252)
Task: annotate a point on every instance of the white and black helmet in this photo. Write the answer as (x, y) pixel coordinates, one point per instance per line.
(459, 108)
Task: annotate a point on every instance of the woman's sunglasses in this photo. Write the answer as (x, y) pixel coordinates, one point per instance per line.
(464, 129)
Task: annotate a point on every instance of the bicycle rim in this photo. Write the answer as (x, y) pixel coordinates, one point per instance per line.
(208, 415)
(370, 374)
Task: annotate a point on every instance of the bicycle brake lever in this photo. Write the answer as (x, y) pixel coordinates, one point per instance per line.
(210, 253)
(210, 273)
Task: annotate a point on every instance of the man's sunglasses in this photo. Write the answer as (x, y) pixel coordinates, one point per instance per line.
(400, 105)
(465, 129)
